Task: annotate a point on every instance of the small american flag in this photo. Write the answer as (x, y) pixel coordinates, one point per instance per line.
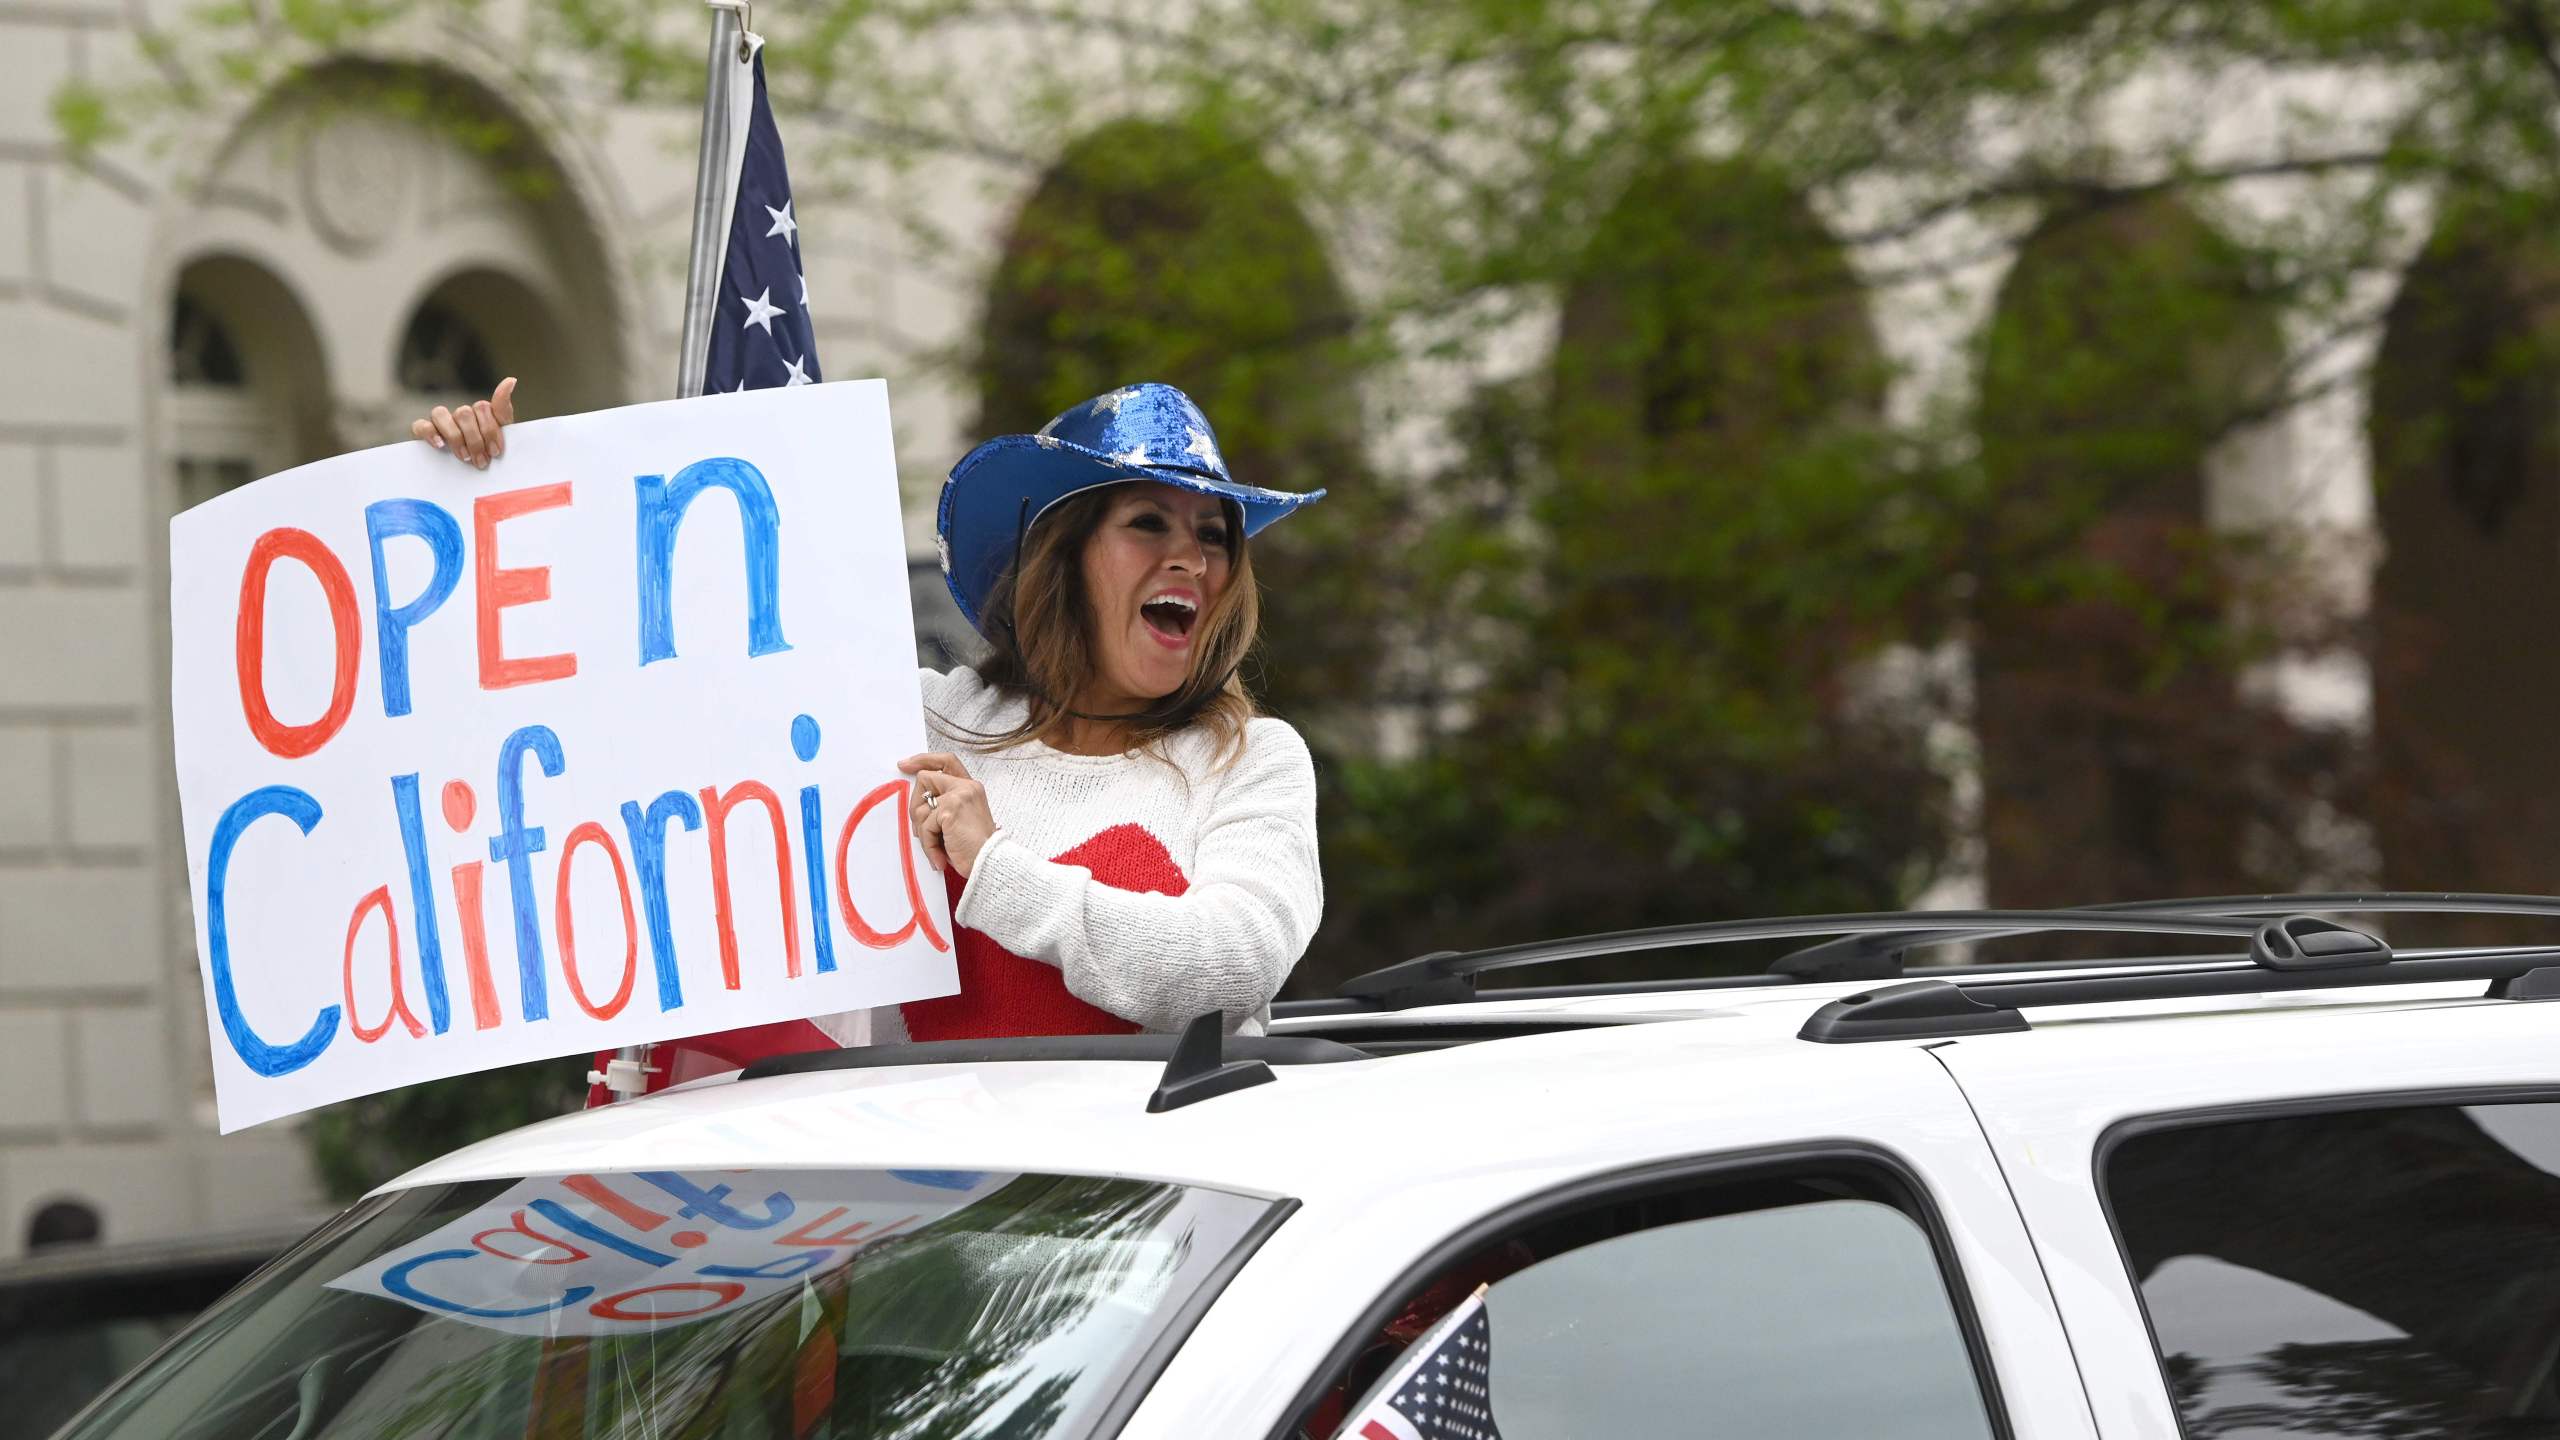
(1442, 1389)
(760, 330)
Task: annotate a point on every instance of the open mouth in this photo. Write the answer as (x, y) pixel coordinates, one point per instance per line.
(1170, 617)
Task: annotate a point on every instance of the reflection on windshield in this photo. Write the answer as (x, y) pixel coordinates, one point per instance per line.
(664, 1304)
(593, 1255)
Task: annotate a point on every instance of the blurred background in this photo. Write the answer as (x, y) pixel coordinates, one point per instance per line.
(1785, 457)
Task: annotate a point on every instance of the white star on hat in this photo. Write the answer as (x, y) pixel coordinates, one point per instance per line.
(1202, 447)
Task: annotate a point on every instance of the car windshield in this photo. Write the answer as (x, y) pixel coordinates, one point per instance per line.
(729, 1305)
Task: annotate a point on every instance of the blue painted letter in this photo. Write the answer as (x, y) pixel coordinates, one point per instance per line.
(648, 831)
(443, 534)
(813, 845)
(270, 1060)
(661, 509)
(713, 1204)
(397, 1281)
(422, 895)
(514, 846)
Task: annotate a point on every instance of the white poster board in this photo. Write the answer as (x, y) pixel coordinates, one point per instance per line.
(626, 1254)
(590, 748)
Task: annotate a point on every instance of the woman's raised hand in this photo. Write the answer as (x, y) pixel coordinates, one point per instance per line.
(472, 433)
(949, 811)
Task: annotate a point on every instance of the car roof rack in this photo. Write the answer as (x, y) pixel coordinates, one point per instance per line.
(1200, 1063)
(1449, 976)
(1879, 955)
(1870, 946)
(2297, 953)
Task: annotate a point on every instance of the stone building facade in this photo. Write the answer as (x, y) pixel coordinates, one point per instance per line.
(289, 280)
(299, 275)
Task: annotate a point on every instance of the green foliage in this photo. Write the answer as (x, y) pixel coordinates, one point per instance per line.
(360, 1143)
(82, 114)
(1634, 598)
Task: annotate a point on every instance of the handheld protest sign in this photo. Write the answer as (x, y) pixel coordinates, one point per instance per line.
(591, 748)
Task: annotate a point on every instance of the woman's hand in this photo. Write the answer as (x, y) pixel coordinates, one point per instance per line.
(949, 811)
(471, 433)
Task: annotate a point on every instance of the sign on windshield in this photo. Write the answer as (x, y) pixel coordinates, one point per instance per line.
(857, 1304)
(617, 1254)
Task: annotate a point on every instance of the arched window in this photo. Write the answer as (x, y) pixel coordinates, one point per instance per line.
(442, 352)
(2467, 496)
(473, 329)
(247, 391)
(201, 348)
(1155, 251)
(2114, 762)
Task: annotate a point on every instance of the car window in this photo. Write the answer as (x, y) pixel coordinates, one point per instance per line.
(1815, 1310)
(2390, 1271)
(735, 1304)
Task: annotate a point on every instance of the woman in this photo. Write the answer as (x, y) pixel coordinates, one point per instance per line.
(1127, 844)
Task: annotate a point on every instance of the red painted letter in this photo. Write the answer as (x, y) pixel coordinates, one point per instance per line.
(499, 588)
(618, 1307)
(294, 741)
(593, 833)
(716, 808)
(862, 931)
(379, 899)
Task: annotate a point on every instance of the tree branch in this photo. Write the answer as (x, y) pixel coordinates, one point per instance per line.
(2530, 27)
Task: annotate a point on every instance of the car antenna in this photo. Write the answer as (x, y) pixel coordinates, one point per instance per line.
(1200, 1070)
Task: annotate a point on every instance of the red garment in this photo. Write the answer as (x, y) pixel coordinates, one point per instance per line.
(1002, 993)
(695, 1056)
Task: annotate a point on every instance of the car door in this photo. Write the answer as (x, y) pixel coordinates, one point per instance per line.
(1836, 1257)
(2307, 1222)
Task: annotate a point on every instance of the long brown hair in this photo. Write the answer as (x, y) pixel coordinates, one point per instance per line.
(1039, 627)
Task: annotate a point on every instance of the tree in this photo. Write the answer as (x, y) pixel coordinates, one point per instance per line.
(1654, 621)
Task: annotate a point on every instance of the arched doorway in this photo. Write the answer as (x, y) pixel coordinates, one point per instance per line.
(1701, 524)
(1717, 379)
(1660, 733)
(2115, 753)
(1163, 251)
(2466, 467)
(248, 386)
(424, 230)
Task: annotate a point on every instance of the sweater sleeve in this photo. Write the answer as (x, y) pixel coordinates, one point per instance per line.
(1160, 961)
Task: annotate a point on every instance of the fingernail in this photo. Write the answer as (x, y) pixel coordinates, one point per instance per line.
(436, 440)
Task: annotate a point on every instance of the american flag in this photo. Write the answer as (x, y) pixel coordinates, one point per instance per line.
(1442, 1389)
(760, 330)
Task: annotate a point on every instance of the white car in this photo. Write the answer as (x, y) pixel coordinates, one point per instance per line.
(2312, 1189)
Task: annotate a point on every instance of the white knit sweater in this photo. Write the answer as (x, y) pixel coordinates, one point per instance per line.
(1161, 887)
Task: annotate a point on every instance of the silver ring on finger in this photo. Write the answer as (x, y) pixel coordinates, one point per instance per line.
(931, 800)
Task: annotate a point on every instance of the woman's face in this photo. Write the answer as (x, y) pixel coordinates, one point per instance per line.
(1152, 569)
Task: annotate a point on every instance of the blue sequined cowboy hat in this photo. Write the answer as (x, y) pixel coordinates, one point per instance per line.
(1139, 432)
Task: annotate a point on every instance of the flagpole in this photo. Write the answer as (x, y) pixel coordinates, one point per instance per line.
(714, 184)
(626, 1076)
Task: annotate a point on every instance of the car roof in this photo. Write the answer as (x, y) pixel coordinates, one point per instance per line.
(1567, 1081)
